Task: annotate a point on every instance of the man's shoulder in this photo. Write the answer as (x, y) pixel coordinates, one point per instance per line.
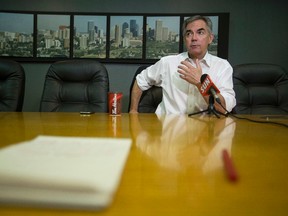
(217, 59)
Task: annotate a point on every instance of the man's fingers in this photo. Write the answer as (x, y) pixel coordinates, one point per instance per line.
(198, 64)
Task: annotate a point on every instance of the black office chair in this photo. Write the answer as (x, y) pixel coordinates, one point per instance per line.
(74, 86)
(150, 98)
(12, 86)
(260, 89)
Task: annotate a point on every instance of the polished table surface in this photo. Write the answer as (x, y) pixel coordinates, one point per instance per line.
(175, 166)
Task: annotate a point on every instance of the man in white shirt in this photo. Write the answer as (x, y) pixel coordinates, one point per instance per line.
(179, 75)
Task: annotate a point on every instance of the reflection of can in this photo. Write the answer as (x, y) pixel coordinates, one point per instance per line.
(115, 103)
(115, 125)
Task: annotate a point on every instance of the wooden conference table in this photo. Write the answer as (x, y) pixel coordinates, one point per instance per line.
(175, 166)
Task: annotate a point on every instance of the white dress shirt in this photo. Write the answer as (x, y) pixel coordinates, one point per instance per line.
(181, 97)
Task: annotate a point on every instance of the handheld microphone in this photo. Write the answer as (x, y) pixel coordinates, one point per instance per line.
(208, 88)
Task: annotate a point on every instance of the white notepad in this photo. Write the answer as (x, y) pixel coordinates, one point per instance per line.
(65, 172)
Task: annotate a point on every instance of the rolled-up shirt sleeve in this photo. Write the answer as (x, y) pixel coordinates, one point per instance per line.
(151, 76)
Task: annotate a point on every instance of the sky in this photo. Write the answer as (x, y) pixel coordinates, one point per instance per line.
(21, 22)
(52, 22)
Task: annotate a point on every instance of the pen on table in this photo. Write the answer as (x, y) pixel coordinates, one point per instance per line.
(229, 167)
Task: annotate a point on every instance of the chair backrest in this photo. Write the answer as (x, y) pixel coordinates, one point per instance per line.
(150, 99)
(74, 86)
(12, 86)
(260, 89)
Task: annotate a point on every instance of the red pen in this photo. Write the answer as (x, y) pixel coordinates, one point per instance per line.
(229, 167)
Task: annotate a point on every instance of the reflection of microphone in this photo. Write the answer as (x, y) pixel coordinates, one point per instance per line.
(208, 88)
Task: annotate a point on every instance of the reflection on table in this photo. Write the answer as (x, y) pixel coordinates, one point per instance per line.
(186, 142)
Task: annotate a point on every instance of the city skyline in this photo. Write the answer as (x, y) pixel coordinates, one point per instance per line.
(23, 23)
(119, 20)
(89, 36)
(90, 32)
(126, 40)
(172, 23)
(80, 22)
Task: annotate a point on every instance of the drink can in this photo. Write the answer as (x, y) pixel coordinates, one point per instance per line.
(115, 103)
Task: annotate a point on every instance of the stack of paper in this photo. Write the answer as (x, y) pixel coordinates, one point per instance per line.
(66, 172)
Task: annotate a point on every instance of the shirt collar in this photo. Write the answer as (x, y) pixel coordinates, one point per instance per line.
(206, 60)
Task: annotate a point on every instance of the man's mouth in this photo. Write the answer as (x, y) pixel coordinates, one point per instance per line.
(194, 46)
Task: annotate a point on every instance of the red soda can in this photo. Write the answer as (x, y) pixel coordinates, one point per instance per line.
(115, 103)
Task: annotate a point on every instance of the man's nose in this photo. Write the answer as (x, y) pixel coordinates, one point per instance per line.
(194, 37)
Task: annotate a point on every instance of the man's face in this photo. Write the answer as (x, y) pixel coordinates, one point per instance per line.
(197, 38)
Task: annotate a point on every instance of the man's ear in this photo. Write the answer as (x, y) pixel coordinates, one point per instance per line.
(211, 38)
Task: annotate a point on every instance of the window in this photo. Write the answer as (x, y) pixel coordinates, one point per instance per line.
(129, 38)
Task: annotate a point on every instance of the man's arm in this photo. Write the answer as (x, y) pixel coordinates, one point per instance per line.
(217, 106)
(135, 98)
